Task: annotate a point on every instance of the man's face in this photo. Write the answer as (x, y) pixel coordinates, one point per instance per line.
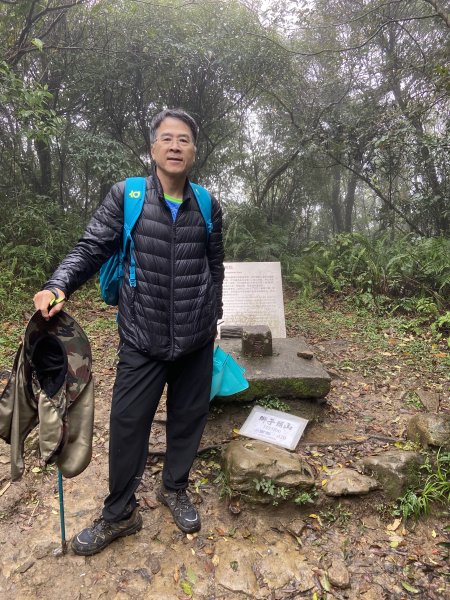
(173, 150)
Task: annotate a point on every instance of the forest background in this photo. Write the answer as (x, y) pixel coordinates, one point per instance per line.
(324, 132)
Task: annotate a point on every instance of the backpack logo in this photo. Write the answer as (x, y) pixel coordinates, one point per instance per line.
(134, 194)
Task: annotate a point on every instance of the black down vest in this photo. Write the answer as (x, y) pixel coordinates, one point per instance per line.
(173, 309)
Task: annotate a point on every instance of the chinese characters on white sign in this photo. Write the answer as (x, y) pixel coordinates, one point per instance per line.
(253, 295)
(274, 426)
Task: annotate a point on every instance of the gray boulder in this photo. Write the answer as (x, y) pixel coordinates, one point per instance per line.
(430, 430)
(285, 374)
(247, 462)
(396, 470)
(348, 482)
(338, 574)
(429, 399)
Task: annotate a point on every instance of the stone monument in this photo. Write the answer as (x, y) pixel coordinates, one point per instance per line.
(253, 295)
(254, 333)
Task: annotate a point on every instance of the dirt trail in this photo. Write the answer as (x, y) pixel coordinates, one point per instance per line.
(282, 552)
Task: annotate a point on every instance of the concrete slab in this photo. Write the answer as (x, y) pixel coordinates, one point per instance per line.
(285, 374)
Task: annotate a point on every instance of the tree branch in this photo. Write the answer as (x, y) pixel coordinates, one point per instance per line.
(379, 193)
(445, 16)
(50, 9)
(338, 50)
(277, 173)
(19, 48)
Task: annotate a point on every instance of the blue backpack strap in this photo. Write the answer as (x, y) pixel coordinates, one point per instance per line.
(134, 197)
(204, 202)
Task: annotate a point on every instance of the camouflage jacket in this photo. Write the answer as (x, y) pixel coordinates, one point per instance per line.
(50, 384)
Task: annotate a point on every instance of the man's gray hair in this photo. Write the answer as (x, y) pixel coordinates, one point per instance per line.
(174, 113)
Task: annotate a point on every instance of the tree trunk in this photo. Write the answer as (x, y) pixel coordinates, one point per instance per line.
(349, 202)
(336, 208)
(445, 16)
(428, 167)
(45, 167)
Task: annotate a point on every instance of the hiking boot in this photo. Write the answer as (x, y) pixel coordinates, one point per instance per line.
(93, 539)
(184, 514)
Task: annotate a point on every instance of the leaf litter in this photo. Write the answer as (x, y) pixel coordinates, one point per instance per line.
(381, 552)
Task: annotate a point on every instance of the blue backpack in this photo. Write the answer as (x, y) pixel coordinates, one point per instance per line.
(112, 271)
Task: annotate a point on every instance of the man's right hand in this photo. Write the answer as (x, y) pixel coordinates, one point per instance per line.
(45, 302)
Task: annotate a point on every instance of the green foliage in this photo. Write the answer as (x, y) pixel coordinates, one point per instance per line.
(29, 103)
(223, 481)
(267, 487)
(338, 515)
(101, 325)
(186, 586)
(412, 504)
(13, 293)
(305, 498)
(402, 335)
(434, 488)
(406, 274)
(277, 493)
(413, 399)
(441, 327)
(310, 147)
(108, 160)
(274, 403)
(249, 237)
(35, 237)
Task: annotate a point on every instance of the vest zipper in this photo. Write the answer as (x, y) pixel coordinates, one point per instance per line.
(172, 279)
(172, 287)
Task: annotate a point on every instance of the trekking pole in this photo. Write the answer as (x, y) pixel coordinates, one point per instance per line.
(61, 513)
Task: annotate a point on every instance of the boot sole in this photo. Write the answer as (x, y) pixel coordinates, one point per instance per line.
(184, 529)
(90, 551)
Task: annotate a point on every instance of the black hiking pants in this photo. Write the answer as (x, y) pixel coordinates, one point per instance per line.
(140, 381)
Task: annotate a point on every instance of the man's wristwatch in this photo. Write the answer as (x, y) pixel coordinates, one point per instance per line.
(58, 297)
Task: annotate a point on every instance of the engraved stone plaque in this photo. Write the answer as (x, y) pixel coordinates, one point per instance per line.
(274, 426)
(253, 295)
(256, 340)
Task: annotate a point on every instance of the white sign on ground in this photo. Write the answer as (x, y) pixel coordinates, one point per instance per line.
(274, 426)
(253, 295)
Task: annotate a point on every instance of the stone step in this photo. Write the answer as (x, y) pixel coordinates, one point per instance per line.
(285, 374)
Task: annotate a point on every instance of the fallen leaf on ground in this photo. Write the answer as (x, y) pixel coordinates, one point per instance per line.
(409, 588)
(150, 502)
(191, 576)
(325, 583)
(215, 560)
(394, 525)
(234, 506)
(186, 587)
(7, 486)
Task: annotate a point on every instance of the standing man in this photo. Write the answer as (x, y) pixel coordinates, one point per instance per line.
(167, 326)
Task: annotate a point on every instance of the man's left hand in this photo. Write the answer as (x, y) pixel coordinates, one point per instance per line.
(48, 304)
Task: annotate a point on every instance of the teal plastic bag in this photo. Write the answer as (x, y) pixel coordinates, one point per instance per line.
(228, 376)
